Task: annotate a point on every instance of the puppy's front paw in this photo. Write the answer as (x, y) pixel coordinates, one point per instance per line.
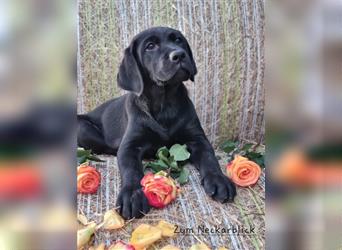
(132, 202)
(219, 187)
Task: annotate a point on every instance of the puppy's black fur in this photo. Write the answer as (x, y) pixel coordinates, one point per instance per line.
(156, 112)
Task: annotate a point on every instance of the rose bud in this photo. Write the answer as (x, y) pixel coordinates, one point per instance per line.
(159, 189)
(243, 172)
(88, 179)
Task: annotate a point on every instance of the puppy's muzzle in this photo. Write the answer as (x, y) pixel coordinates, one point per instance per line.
(177, 56)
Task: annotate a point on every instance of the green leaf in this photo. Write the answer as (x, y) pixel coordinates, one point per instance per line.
(253, 155)
(156, 166)
(163, 154)
(175, 175)
(94, 158)
(158, 163)
(83, 152)
(260, 161)
(84, 155)
(260, 149)
(247, 147)
(182, 163)
(179, 152)
(228, 146)
(173, 164)
(81, 159)
(184, 176)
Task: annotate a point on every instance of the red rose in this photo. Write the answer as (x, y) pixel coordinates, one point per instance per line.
(20, 180)
(88, 179)
(159, 189)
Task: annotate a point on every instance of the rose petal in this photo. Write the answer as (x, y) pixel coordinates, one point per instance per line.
(199, 247)
(243, 172)
(168, 229)
(112, 220)
(84, 234)
(120, 245)
(88, 179)
(145, 235)
(159, 189)
(81, 218)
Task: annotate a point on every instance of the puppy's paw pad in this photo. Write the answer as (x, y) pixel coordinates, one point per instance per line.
(219, 187)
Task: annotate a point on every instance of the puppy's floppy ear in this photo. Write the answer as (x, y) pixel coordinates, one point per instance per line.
(129, 77)
(194, 68)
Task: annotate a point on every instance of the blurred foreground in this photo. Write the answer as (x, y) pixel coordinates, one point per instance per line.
(304, 124)
(37, 113)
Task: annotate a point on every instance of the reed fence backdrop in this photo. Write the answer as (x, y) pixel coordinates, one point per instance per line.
(227, 40)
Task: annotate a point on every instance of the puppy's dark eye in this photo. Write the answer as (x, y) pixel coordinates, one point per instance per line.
(150, 46)
(178, 40)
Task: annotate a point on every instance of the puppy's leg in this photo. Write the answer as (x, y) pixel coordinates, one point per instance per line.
(89, 137)
(215, 183)
(131, 200)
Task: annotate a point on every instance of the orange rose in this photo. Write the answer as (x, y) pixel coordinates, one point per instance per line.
(88, 179)
(294, 167)
(243, 172)
(159, 189)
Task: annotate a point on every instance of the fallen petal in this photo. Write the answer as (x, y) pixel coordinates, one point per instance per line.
(84, 234)
(81, 218)
(145, 235)
(120, 245)
(199, 247)
(168, 229)
(112, 220)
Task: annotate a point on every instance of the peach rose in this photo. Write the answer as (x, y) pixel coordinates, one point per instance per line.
(243, 172)
(159, 189)
(88, 179)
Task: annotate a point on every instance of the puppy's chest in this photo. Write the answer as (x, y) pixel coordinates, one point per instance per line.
(167, 115)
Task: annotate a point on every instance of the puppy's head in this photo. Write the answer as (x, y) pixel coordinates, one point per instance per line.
(161, 55)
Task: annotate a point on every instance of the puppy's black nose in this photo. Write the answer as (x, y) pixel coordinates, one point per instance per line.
(177, 55)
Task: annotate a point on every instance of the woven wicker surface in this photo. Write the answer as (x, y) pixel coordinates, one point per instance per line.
(193, 208)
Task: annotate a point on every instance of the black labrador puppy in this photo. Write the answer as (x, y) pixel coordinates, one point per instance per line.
(156, 112)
